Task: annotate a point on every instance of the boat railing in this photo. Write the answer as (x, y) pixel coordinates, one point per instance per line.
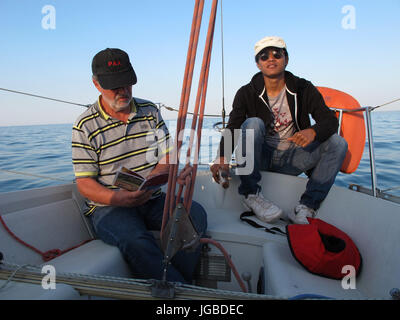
(367, 111)
(375, 191)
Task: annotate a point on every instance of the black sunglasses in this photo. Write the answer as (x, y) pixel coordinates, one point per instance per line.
(276, 53)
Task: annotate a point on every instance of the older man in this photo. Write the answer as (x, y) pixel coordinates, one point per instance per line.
(276, 106)
(119, 130)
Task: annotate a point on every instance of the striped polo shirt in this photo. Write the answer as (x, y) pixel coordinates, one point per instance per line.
(102, 144)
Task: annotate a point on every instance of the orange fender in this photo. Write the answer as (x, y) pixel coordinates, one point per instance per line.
(352, 128)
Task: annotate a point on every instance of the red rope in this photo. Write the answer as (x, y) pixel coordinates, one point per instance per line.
(47, 255)
(228, 259)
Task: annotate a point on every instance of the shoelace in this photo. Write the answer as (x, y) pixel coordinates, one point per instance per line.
(262, 201)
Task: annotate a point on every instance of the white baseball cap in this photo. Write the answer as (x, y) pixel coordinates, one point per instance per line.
(269, 42)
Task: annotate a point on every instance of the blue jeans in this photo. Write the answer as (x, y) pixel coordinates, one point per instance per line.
(128, 229)
(324, 159)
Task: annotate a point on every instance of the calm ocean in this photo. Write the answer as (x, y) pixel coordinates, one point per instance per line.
(30, 157)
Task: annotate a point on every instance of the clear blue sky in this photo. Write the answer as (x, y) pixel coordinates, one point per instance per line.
(363, 61)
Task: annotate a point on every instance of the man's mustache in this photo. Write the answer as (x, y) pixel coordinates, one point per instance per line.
(123, 97)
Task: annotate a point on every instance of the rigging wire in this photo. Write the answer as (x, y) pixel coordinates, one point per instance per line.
(47, 98)
(385, 104)
(162, 105)
(10, 278)
(391, 189)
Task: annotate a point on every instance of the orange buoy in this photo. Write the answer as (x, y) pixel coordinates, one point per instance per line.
(352, 128)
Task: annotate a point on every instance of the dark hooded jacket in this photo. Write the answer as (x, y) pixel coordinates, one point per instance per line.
(303, 98)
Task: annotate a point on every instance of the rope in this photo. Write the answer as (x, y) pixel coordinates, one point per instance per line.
(185, 94)
(200, 104)
(385, 104)
(129, 285)
(228, 259)
(47, 255)
(47, 98)
(12, 276)
(161, 105)
(170, 201)
(391, 189)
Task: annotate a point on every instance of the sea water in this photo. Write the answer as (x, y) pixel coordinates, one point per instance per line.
(40, 156)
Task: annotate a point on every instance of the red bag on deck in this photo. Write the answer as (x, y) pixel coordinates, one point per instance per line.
(323, 249)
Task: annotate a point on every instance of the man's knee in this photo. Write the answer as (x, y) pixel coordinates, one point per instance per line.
(338, 143)
(138, 241)
(253, 123)
(253, 132)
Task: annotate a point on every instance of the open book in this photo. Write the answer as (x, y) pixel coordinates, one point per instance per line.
(132, 181)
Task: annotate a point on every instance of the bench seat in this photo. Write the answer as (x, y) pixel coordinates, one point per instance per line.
(285, 277)
(93, 258)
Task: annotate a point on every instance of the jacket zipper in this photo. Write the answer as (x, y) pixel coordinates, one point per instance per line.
(295, 107)
(265, 102)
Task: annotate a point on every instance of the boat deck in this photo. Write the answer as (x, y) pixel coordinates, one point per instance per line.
(50, 218)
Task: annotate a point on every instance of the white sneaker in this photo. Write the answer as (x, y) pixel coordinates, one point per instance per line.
(264, 209)
(301, 213)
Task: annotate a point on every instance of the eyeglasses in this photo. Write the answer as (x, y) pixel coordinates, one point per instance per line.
(276, 53)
